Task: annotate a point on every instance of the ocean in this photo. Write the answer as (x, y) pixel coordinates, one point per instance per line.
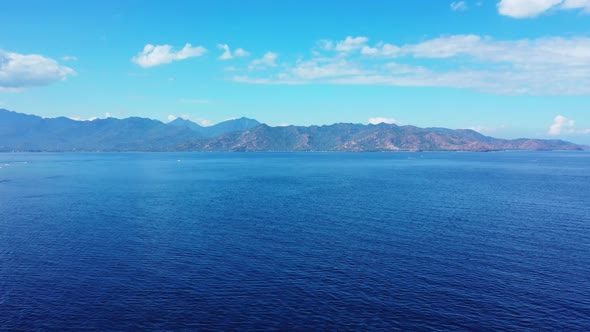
(295, 241)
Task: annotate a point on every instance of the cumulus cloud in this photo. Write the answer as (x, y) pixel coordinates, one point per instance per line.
(534, 8)
(378, 120)
(19, 71)
(458, 61)
(562, 125)
(458, 6)
(155, 55)
(227, 54)
(268, 60)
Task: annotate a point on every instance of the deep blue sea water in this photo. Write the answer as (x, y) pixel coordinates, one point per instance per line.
(295, 241)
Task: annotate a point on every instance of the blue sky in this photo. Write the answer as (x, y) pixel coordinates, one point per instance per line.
(510, 68)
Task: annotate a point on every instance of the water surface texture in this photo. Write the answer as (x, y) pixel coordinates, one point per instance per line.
(295, 241)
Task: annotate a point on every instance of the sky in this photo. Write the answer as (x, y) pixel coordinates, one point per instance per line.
(506, 68)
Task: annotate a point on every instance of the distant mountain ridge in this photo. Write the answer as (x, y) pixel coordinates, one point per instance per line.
(21, 132)
(358, 137)
(221, 128)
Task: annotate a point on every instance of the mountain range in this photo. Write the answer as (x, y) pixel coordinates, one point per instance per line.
(22, 132)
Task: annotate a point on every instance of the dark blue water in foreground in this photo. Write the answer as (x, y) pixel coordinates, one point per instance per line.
(433, 241)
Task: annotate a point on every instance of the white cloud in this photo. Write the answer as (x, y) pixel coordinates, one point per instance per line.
(163, 54)
(457, 61)
(69, 58)
(347, 45)
(525, 8)
(227, 54)
(240, 52)
(444, 47)
(553, 50)
(268, 60)
(351, 44)
(325, 68)
(383, 50)
(584, 5)
(92, 118)
(576, 4)
(458, 6)
(19, 71)
(78, 118)
(534, 8)
(367, 50)
(378, 120)
(562, 125)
